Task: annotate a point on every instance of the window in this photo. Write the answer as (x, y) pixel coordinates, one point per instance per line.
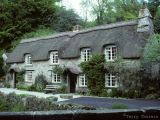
(54, 57)
(111, 81)
(85, 54)
(28, 59)
(82, 80)
(29, 76)
(56, 78)
(110, 53)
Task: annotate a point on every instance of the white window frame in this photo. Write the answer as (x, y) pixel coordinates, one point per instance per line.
(82, 80)
(109, 54)
(109, 79)
(85, 54)
(56, 78)
(28, 60)
(54, 58)
(29, 76)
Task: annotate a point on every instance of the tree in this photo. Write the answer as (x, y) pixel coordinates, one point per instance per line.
(108, 11)
(20, 16)
(152, 50)
(65, 20)
(154, 7)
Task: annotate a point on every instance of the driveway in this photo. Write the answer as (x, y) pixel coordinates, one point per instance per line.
(37, 94)
(107, 102)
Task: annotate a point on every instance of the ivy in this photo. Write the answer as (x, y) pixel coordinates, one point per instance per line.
(95, 73)
(58, 70)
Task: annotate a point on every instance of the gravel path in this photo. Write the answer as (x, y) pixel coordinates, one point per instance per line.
(37, 94)
(107, 102)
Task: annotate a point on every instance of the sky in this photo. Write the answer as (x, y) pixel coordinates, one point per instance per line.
(73, 4)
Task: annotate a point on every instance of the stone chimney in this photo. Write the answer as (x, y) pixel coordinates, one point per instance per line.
(145, 23)
(76, 28)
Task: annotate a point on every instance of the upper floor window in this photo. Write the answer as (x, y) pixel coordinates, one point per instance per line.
(54, 57)
(82, 80)
(28, 60)
(29, 76)
(85, 54)
(111, 81)
(110, 53)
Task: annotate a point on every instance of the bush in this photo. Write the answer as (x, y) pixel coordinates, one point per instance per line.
(40, 82)
(3, 105)
(104, 93)
(152, 96)
(22, 86)
(119, 106)
(62, 89)
(18, 108)
(83, 91)
(52, 99)
(31, 88)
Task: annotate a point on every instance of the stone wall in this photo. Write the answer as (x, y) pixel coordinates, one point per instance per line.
(136, 114)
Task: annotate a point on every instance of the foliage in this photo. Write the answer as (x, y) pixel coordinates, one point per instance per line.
(152, 50)
(17, 103)
(108, 11)
(152, 96)
(62, 89)
(52, 99)
(18, 108)
(16, 19)
(2, 72)
(3, 105)
(40, 82)
(22, 86)
(95, 73)
(119, 106)
(40, 31)
(157, 21)
(66, 19)
(58, 70)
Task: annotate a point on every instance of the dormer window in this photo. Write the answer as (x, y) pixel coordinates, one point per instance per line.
(110, 53)
(54, 57)
(85, 54)
(28, 60)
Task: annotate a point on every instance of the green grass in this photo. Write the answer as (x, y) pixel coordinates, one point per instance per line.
(119, 106)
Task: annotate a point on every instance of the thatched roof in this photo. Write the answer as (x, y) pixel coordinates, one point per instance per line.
(69, 44)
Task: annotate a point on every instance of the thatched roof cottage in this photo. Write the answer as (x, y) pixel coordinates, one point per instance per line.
(69, 49)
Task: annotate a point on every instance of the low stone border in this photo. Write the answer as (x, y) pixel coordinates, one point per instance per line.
(146, 114)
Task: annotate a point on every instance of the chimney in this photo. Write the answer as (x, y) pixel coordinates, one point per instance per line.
(145, 23)
(76, 28)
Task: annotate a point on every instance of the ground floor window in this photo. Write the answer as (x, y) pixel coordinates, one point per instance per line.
(111, 80)
(82, 80)
(29, 76)
(54, 78)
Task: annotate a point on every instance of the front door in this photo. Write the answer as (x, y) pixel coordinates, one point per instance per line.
(72, 82)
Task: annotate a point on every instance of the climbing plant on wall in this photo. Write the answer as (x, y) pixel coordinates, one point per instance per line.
(95, 73)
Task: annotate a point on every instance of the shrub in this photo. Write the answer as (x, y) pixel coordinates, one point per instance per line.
(31, 88)
(152, 96)
(119, 106)
(22, 86)
(83, 91)
(40, 82)
(18, 108)
(3, 105)
(52, 99)
(62, 89)
(104, 93)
